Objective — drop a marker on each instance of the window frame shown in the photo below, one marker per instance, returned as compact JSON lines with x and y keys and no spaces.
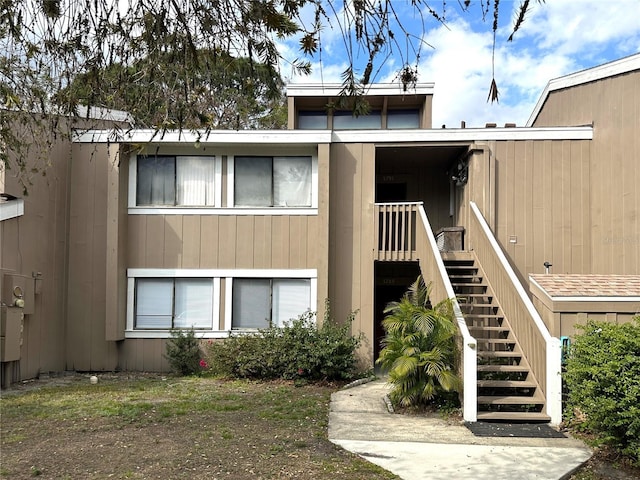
{"x":221,"y":278}
{"x":134,"y":208}
{"x":230,"y":184}
{"x":224,"y":202}
{"x":271,"y":295}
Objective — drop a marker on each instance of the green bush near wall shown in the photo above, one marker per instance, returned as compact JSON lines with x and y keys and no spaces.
{"x":183,"y":352}
{"x":301,"y":350}
{"x":603,"y":380}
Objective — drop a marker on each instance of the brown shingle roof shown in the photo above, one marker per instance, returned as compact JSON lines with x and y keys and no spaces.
{"x":579,"y":285}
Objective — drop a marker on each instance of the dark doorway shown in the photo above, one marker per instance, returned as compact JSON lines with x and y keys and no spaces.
{"x":391,"y":192}
{"x":392,"y":281}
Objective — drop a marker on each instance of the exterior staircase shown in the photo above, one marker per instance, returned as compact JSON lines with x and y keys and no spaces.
{"x":507,"y":389}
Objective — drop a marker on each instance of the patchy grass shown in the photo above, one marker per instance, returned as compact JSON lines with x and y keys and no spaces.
{"x":158,"y":427}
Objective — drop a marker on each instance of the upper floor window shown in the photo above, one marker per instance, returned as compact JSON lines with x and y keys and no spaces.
{"x":312,"y":120}
{"x":345,"y":120}
{"x":407,"y":118}
{"x":163,"y":180}
{"x":272,"y":181}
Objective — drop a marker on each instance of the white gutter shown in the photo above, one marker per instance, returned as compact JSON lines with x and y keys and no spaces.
{"x":554,"y":362}
{"x":469,"y":344}
{"x":218,"y":137}
{"x":461,"y":134}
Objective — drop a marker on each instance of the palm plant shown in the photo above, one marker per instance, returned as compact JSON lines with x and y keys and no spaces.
{"x":419,"y":347}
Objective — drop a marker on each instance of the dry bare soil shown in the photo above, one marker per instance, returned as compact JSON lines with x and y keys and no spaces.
{"x":154,"y":427}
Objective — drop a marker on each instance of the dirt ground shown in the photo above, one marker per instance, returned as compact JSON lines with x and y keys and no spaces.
{"x":197,"y":444}
{"x":227,"y":441}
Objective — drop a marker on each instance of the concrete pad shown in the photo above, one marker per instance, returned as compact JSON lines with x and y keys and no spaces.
{"x":421,"y":447}
{"x":438,"y":461}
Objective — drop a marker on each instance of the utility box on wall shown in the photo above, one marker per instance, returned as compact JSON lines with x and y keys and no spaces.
{"x":21,"y":289}
{"x":11,"y":325}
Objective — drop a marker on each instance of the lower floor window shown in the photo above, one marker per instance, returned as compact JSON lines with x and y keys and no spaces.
{"x":165,"y":303}
{"x":264,"y":302}
{"x":215,"y":301}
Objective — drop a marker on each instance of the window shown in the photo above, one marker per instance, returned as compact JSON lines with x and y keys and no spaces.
{"x":408,"y":118}
{"x":312,"y":120}
{"x":347,"y":121}
{"x":272,"y":181}
{"x":264,"y":302}
{"x":165,"y":303}
{"x":175,"y":181}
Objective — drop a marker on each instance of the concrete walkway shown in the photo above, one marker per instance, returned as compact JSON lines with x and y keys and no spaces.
{"x":416,"y":448}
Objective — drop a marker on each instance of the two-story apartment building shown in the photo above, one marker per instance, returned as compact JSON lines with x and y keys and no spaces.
{"x":235,"y":230}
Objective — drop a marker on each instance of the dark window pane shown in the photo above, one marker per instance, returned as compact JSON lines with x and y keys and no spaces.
{"x":156,"y":179}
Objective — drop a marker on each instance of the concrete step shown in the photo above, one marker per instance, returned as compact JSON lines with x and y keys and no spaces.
{"x":514,"y":416}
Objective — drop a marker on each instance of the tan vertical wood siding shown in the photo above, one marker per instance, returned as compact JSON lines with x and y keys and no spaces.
{"x":613,"y":106}
{"x":351,"y":236}
{"x":37,"y":242}
{"x":543,"y":204}
{"x":86,"y":344}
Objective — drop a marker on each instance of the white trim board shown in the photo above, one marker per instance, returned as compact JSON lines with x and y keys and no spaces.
{"x":334,"y":89}
{"x":618,"y":67}
{"x":200,"y":137}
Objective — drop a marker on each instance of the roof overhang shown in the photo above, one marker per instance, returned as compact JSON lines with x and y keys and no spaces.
{"x":11,"y":208}
{"x":315,"y":137}
{"x":618,"y":67}
{"x":213,"y":137}
{"x":334,"y":89}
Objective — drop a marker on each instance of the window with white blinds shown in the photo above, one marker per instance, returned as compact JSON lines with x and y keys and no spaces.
{"x":176,"y":181}
{"x":284,"y":181}
{"x":165,"y":303}
{"x":262,"y":303}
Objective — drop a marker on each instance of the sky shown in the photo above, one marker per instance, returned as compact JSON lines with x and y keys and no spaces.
{"x":557,"y":38}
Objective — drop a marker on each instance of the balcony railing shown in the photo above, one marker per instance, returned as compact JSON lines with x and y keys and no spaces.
{"x":396,"y":227}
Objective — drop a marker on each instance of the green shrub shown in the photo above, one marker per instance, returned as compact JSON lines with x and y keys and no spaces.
{"x":299,"y":350}
{"x":183,"y":352}
{"x":603,"y":380}
{"x":419,"y":348}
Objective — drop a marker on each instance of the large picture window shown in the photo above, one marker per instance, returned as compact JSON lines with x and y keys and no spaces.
{"x":272,"y":181}
{"x":165,"y":303}
{"x":264,"y":302}
{"x":175,"y":181}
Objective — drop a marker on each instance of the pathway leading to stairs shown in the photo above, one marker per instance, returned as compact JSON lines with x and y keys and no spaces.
{"x":417,"y":448}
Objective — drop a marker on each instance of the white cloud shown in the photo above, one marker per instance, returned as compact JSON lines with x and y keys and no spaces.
{"x":557,"y":38}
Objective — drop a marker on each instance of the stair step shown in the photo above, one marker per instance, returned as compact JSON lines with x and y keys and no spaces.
{"x":483,"y":315}
{"x":494,"y":353}
{"x":514,"y":416}
{"x":469,"y":284}
{"x":509,"y":400}
{"x":490,"y":329}
{"x":506,"y":384}
{"x":504,"y":341}
{"x":502,"y":368}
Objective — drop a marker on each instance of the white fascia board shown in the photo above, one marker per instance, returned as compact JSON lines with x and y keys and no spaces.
{"x":618,"y":67}
{"x":462,"y":135}
{"x":334,"y":89}
{"x":214,"y":137}
{"x":11,"y":209}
